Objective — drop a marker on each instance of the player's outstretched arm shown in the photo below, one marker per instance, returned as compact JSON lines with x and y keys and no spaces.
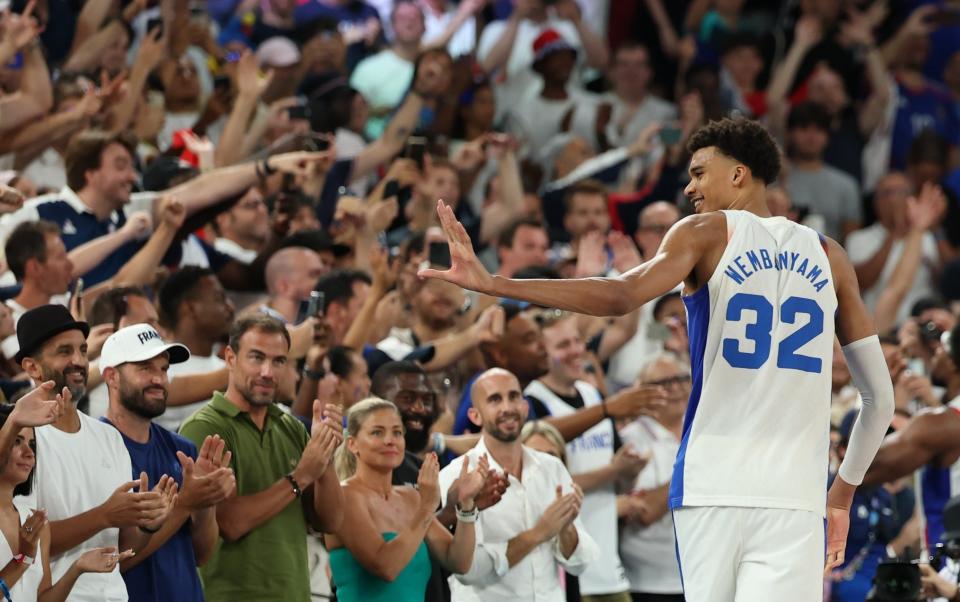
{"x":679,"y":253}
{"x":861,"y":348}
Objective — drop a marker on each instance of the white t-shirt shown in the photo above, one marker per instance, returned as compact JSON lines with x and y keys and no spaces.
{"x":863,"y":243}
{"x":383,"y":79}
{"x":519,"y":75}
{"x":462,"y":41}
{"x":535,"y":120}
{"x":77,"y":472}
{"x":627,"y":121}
{"x":229,"y":247}
{"x":197,"y":364}
{"x":648,"y":553}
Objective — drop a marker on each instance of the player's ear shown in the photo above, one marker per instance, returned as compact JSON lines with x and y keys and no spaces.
{"x":739,"y":175}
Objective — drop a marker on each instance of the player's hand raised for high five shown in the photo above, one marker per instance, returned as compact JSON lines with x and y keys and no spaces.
{"x":465,"y":268}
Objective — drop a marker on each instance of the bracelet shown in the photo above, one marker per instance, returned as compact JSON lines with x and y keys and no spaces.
{"x":267,"y":170}
{"x":22,"y":558}
{"x":467,"y":517}
{"x":314,"y":374}
{"x":439,"y":443}
{"x":147,"y":529}
{"x":296,"y":488}
{"x":6,"y":590}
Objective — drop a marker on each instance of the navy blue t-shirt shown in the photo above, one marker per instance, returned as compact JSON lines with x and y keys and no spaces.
{"x":170,"y":573}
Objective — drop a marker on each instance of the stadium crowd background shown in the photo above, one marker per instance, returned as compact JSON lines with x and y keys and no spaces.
{"x":202,"y":167}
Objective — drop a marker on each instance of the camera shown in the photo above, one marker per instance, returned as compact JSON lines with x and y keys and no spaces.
{"x":895,"y":582}
{"x":930,"y":332}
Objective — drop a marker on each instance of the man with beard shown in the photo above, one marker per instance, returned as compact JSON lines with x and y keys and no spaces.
{"x":284,"y":480}
{"x":521,"y":351}
{"x":84,"y":481}
{"x":134,"y":366}
{"x":534,"y":530}
{"x":930,"y":443}
{"x":195,"y":310}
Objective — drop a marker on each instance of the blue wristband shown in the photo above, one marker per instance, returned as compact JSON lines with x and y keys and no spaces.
{"x":6,"y":590}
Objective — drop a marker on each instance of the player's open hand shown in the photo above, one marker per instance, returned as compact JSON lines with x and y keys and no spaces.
{"x":838,"y":523}
{"x":465,"y":268}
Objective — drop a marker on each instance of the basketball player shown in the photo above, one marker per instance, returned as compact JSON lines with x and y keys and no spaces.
{"x":929,"y":442}
{"x":748,"y":491}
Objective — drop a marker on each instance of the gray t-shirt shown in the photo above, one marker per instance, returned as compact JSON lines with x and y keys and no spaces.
{"x":828,"y":192}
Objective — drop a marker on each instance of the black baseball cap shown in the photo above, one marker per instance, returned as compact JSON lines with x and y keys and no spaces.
{"x":41,"y":324}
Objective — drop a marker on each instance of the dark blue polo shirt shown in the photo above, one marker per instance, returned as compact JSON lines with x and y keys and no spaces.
{"x":170,"y":573}
{"x":79,"y":225}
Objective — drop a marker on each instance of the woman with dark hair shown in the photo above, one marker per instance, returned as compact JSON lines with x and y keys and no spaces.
{"x":25,"y":545}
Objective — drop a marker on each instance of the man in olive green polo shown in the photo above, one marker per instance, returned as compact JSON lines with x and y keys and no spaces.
{"x":284,"y":474}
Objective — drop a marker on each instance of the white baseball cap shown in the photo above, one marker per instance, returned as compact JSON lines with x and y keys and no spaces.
{"x":138,"y":343}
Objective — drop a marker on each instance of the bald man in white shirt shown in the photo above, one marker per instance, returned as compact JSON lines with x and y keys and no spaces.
{"x":535,"y":528}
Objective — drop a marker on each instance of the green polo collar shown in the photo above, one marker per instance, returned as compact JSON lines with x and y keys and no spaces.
{"x":224,"y":406}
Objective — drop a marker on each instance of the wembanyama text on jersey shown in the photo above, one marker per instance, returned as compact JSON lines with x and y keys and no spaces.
{"x":756,"y":431}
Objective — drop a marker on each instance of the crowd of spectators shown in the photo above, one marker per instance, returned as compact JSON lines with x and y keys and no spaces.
{"x":228,"y":382}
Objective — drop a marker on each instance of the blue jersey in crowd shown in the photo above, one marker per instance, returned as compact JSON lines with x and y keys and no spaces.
{"x":170,"y":573}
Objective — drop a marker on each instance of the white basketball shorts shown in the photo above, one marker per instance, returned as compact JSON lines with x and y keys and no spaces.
{"x":730,"y":554}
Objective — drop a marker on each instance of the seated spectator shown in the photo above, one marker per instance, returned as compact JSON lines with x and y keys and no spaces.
{"x":824,"y":190}
{"x":381,"y":551}
{"x":284,"y":481}
{"x":529,"y":513}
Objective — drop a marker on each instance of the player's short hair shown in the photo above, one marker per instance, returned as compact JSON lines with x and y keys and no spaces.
{"x":743,"y":140}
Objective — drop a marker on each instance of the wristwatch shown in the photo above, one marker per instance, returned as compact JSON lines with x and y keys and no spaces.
{"x":22,"y":558}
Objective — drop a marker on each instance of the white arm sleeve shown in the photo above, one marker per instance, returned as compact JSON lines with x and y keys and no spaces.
{"x":870,"y":375}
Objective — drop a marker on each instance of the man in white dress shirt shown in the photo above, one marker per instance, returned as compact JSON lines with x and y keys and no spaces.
{"x":534,"y":530}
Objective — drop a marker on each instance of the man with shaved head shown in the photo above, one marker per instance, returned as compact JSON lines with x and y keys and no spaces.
{"x":535,"y":527}
{"x":290,"y":275}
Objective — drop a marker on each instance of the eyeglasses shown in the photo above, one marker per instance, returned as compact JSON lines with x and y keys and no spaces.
{"x":673,"y":381}
{"x":656,"y":228}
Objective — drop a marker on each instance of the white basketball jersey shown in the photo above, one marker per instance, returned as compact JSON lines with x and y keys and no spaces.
{"x":756,"y":431}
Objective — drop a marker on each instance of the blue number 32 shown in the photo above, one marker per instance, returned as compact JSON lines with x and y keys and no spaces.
{"x":759,"y":333}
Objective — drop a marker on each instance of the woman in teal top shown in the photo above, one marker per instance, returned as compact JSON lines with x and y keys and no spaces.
{"x":381,"y":551}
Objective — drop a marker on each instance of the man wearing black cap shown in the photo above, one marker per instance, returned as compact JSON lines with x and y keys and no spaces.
{"x":134,"y":364}
{"x":84,"y":478}
{"x":930,"y":442}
